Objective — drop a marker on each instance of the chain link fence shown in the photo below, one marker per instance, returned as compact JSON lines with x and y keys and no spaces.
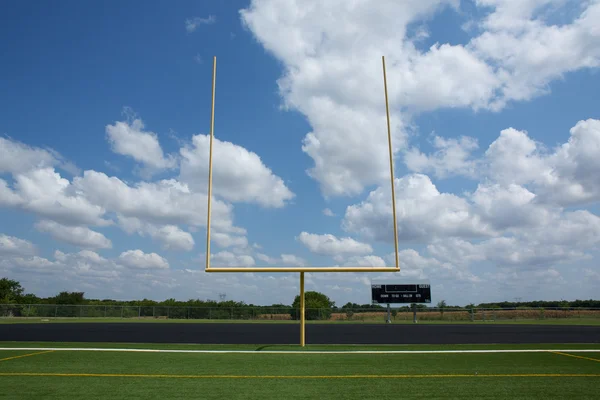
{"x":281,"y":314}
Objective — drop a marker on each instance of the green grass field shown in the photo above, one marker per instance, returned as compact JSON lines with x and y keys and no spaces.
{"x":549,"y":321}
{"x":35,"y":373}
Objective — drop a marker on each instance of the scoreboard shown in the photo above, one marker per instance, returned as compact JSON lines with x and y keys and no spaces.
{"x":401,"y":293}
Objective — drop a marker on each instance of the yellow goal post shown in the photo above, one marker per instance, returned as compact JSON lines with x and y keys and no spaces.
{"x":301,"y":270}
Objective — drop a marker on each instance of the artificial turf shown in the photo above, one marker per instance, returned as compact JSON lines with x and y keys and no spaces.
{"x":103,"y":375}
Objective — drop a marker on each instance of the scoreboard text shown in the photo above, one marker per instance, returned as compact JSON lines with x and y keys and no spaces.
{"x":401,"y":293}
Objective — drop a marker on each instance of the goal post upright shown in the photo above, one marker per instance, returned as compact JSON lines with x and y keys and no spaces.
{"x":300,"y":270}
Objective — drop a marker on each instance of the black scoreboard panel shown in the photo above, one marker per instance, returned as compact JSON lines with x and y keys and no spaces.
{"x":401,"y":293}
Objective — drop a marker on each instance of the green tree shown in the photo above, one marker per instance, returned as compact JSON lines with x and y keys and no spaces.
{"x":69,"y":298}
{"x":441,"y":305}
{"x":317,"y":305}
{"x":10,"y":291}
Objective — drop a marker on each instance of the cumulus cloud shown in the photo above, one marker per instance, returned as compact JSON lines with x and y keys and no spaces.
{"x":8,"y":198}
{"x":422,"y":213}
{"x":44,"y":192}
{"x":140,"y":260}
{"x":365,"y":261}
{"x":563,"y":176}
{"x":327,"y":212}
{"x":515,"y":158}
{"x":33,"y":264}
{"x":166,"y":201}
{"x":330,"y":245}
{"x":17,"y":157}
{"x":560,"y":238}
{"x":287,"y":260}
{"x":229,"y":259}
{"x":508,"y":207}
{"x":453,"y":157}
{"x":227,"y":240}
{"x":331,"y":55}
{"x":566,"y":176}
{"x":171,"y":237}
{"x":68,"y":270}
{"x":130,"y":139}
{"x":75,"y":235}
{"x":239,"y":175}
{"x":414,"y":265}
{"x":528,"y":53}
{"x":11,"y":246}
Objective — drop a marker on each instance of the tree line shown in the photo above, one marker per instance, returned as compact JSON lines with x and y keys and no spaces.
{"x":319,"y":304}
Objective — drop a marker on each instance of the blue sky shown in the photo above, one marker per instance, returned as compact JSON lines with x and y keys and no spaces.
{"x":114,"y":98}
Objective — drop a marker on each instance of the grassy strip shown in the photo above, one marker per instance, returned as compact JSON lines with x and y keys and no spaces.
{"x":548,"y":388}
{"x":308,"y":347}
{"x":276,"y":376}
{"x":550,"y":321}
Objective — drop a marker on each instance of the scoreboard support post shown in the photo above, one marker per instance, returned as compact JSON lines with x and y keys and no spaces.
{"x":389,"y":318}
{"x":302,"y":318}
{"x":414,"y":306}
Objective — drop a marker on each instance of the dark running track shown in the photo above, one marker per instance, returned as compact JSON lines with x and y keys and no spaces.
{"x":239,"y":333}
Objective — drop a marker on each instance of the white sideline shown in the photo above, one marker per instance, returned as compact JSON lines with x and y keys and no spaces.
{"x":300,"y":351}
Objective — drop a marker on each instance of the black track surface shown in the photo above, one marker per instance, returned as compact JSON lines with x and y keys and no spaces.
{"x":239,"y":333}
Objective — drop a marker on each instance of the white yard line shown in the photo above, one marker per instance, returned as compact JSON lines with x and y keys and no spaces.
{"x":299,"y":351}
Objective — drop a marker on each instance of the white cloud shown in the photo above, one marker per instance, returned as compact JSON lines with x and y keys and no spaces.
{"x":287,"y":260}
{"x":529,"y":53}
{"x":510,"y":206}
{"x":13,"y":246}
{"x":341,"y":95}
{"x":171,"y":237}
{"x":8,"y":198}
{"x":345,"y":159}
{"x":559,"y":238}
{"x":331,"y":54}
{"x":226,"y":240}
{"x":515,"y":158}
{"x":422,"y":213}
{"x":417,"y":266}
{"x":591,"y":275}
{"x":564,"y":177}
{"x":139,"y":260}
{"x":191,"y":24}
{"x":329,"y":245}
{"x":88,"y":267}
{"x":577,"y":167}
{"x":17,"y":157}
{"x":327,"y":212}
{"x":452,"y":157}
{"x":365,"y":261}
{"x":290,"y":259}
{"x":46,"y":193}
{"x":33,"y":264}
{"x":228,"y":259}
{"x":165,"y":202}
{"x":130,"y":139}
{"x":239,"y":175}
{"x":76,"y":235}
